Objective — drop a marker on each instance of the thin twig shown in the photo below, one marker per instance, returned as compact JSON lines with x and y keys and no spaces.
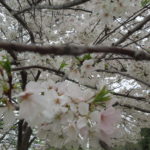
{"x":138,"y":98}
{"x":38,"y":67}
{"x":136,"y":28}
{"x":132,"y":107}
{"x":125,"y":75}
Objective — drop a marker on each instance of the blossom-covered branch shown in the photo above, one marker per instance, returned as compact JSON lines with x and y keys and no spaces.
{"x":136,"y":28}
{"x":125,"y":75}
{"x":100,"y":39}
{"x":73,"y":50}
{"x":19,"y":19}
{"x":61,"y":74}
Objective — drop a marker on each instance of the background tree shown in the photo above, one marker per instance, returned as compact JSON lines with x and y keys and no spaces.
{"x":97,"y":50}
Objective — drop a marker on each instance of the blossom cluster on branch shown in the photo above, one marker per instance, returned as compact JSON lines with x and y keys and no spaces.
{"x":68,"y":116}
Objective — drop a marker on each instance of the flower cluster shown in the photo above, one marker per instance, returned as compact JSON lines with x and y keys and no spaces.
{"x":110,"y":9}
{"x":65,"y":115}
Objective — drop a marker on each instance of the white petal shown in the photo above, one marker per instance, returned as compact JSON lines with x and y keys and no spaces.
{"x":95,"y":116}
{"x":83,"y":108}
{"x":82,"y":122}
{"x":73,"y":107}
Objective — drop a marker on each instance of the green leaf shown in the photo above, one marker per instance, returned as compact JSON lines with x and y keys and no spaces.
{"x":5,"y":87}
{"x":63,"y":64}
{"x":145,"y":141}
{"x":85,"y":57}
{"x":5,"y":63}
{"x":106,"y":66}
{"x":145,"y":2}
{"x":145,"y":132}
{"x":1,"y":123}
{"x":17,"y":85}
{"x":102,"y":96}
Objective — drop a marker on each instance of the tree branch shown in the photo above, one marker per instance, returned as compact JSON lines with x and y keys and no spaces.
{"x":38,"y":67}
{"x":136,"y":28}
{"x":138,"y":98}
{"x":61,"y":74}
{"x":73,"y":50}
{"x":57,"y":72}
{"x":104,"y":145}
{"x":131,"y":107}
{"x":55,"y":7}
{"x":19,"y":141}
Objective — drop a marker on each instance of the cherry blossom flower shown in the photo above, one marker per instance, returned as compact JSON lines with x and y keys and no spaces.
{"x":32,"y":108}
{"x":87,"y":67}
{"x":108,"y":120}
{"x":74,"y":91}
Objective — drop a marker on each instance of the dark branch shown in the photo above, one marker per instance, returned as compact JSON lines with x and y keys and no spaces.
{"x":80,"y":9}
{"x":73,"y":50}
{"x":67,"y":5}
{"x":131,"y":107}
{"x":104,"y":145}
{"x":20,"y":123}
{"x":138,"y":98}
{"x":39,"y":67}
